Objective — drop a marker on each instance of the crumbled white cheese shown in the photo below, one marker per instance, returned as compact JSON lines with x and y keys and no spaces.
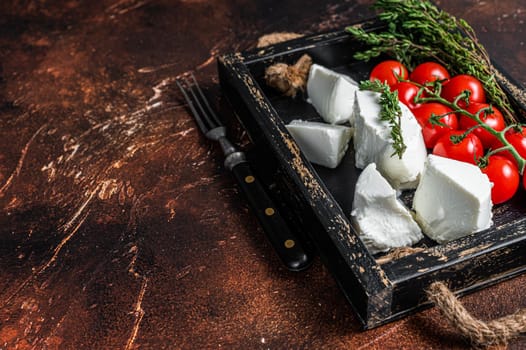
{"x":322,"y":144}
{"x":373,"y":142}
{"x":452,"y":200}
{"x":383,"y":221}
{"x":331,"y":94}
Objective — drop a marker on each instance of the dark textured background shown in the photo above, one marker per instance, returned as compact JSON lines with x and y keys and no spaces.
{"x":119,"y":229}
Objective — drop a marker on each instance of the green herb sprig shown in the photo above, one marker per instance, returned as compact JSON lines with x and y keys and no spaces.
{"x":390,"y":112}
{"x":418,"y":31}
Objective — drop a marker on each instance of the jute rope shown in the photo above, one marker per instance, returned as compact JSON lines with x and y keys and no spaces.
{"x":480,"y":333}
{"x":288,"y":79}
{"x":276,"y":37}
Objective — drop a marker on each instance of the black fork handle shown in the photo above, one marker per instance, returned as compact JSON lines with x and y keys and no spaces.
{"x":286,"y":244}
{"x":288,"y":247}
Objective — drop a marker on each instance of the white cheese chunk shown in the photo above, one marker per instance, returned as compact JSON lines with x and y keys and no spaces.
{"x":322,"y":144}
{"x":331,"y":94}
{"x":373,"y":142}
{"x":452,"y":200}
{"x":383,"y":221}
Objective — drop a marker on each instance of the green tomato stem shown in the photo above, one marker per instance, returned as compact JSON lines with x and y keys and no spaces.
{"x":500,"y":135}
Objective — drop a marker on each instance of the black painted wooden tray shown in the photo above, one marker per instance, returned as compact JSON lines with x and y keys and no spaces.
{"x":317,"y":201}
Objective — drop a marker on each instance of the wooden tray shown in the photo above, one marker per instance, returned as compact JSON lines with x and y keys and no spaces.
{"x":317,"y":201}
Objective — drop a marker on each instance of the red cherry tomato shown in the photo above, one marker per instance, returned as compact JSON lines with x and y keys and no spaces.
{"x":428,"y":72}
{"x":459,"y":83}
{"x":495,"y":120}
{"x":517,"y":138}
{"x":505,"y":177}
{"x":406,"y":93}
{"x":432,"y":132}
{"x":468,"y":150}
{"x":387,"y":71}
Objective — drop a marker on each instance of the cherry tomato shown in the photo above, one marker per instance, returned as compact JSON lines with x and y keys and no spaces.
{"x":428,"y":72}
{"x":468,"y":150}
{"x":406,"y":93}
{"x":505,"y":177}
{"x":432,"y":132}
{"x":387,"y":71}
{"x":517,"y":138}
{"x":459,"y":83}
{"x":495,"y":120}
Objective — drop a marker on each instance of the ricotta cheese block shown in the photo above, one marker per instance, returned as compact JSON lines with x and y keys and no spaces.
{"x":323,"y":144}
{"x":452,"y":200}
{"x":331,"y":94}
{"x":373,"y":142}
{"x":383,"y":221}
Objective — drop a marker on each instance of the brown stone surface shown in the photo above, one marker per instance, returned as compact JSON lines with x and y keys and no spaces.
{"x":119,"y":228}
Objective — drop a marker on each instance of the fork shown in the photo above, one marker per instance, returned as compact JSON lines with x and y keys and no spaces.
{"x":286,"y":244}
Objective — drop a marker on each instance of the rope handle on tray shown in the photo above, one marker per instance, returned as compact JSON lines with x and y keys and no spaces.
{"x":480,"y":333}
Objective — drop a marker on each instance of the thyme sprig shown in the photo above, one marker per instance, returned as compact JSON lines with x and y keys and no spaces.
{"x":390,"y":112}
{"x":418,"y":31}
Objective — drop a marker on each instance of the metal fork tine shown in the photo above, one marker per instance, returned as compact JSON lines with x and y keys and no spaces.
{"x":274,"y":225}
{"x":211,"y":115}
{"x":204,"y":113}
{"x":190,"y":102}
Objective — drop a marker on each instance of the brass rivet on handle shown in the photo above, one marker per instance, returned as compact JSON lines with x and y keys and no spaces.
{"x":269,"y":211}
{"x":249,"y":179}
{"x":289,"y":243}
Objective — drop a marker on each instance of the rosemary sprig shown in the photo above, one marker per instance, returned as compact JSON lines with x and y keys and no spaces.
{"x":418,"y":31}
{"x":390,"y":112}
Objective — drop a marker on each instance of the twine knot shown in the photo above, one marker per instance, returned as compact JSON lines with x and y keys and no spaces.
{"x":288,"y":79}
